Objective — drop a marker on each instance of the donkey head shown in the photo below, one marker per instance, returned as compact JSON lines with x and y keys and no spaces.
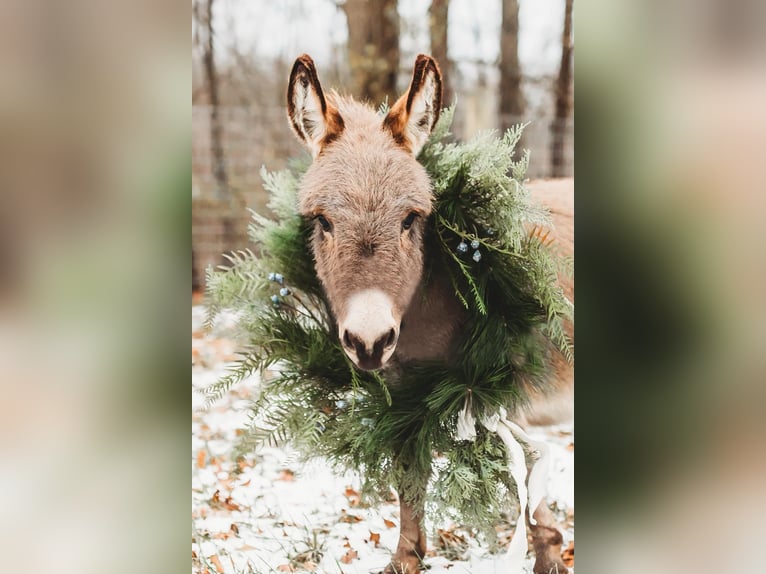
{"x":368,"y":198}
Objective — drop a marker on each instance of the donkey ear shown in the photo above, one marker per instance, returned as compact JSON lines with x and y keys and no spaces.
{"x":313,"y":119}
{"x":415,"y":114}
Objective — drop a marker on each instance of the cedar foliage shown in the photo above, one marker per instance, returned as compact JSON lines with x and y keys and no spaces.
{"x":387,"y":425}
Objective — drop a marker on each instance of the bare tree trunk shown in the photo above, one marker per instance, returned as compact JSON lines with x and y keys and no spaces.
{"x":511,"y":96}
{"x":373,"y":48}
{"x":563,"y":97}
{"x":216,"y":130}
{"x":438,"y":21}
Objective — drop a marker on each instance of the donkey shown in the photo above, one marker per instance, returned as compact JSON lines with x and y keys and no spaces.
{"x":369,"y":200}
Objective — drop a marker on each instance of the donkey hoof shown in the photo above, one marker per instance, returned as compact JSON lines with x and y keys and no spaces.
{"x":548,"y":565}
{"x":404,"y":565}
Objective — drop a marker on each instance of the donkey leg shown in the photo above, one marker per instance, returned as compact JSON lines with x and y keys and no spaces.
{"x":412,"y":540}
{"x":547,"y":541}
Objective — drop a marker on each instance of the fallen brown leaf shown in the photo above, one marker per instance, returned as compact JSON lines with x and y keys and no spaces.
{"x":450,"y":544}
{"x":350,"y":518}
{"x":227,"y":504}
{"x":286,"y":474}
{"x":448,"y":537}
{"x":349,"y":556}
{"x":201,"y":456}
{"x":568,"y":555}
{"x":220,"y":536}
{"x":389,"y":523}
{"x":234,"y":528}
{"x":217,"y":563}
{"x":285,"y":568}
{"x":375,"y":538}
{"x":353,"y":496}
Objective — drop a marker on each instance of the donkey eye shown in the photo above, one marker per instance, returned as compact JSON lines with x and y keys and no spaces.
{"x":408,"y":221}
{"x":324,"y":223}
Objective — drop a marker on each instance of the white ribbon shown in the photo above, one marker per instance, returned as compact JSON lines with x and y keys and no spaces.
{"x":538,"y":475}
{"x":466,"y":423}
{"x":513,"y":436}
{"x":517,"y":466}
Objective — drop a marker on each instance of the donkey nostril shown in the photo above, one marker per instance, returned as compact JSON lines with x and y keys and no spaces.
{"x":391,"y":338}
{"x":346,"y":339}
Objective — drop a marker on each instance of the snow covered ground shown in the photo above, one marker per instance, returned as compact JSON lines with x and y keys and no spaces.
{"x":270,"y":513}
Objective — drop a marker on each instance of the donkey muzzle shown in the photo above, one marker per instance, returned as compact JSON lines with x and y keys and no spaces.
{"x":369,"y":332}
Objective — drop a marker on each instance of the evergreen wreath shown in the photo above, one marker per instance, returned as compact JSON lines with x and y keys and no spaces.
{"x":387,"y":425}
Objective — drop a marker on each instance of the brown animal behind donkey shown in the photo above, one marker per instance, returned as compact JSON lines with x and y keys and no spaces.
{"x":369,"y":200}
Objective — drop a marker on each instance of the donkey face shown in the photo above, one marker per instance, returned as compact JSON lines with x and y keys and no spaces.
{"x":368,"y":198}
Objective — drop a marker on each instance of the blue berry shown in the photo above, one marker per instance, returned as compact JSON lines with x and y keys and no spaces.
{"x":279,"y":279}
{"x":475,"y":244}
{"x":272,"y":276}
{"x":284,"y":291}
{"x":477,"y":256}
{"x":462,"y":247}
{"x":275,"y":299}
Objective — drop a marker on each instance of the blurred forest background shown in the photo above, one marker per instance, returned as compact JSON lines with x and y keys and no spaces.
{"x":504,"y":61}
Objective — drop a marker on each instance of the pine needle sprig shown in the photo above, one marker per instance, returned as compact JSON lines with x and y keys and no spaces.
{"x":250,"y":363}
{"x":465,"y":272}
